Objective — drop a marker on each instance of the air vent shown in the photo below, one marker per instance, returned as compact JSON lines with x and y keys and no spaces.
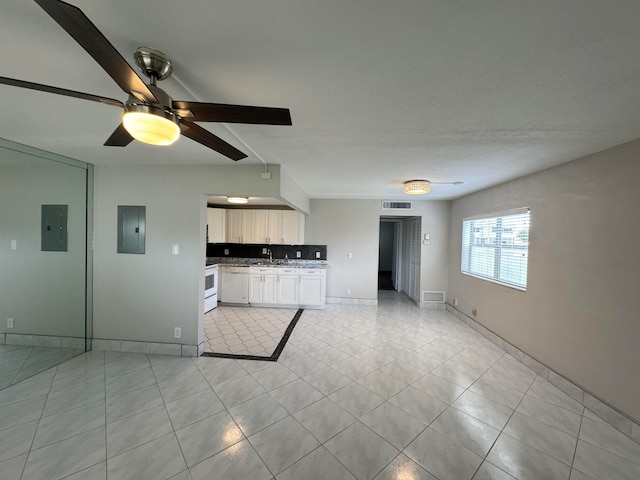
{"x":391,"y":205}
{"x":434,"y":297}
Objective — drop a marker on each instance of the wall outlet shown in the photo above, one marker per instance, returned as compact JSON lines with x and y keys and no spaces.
{"x":474,"y":311}
{"x":175,"y":249}
{"x":317,"y":254}
{"x":455,"y":302}
{"x":348,"y":291}
{"x":177,"y":332}
{"x":226,"y":251}
{"x":264,"y":251}
{"x":9,"y":322}
{"x":298,"y":254}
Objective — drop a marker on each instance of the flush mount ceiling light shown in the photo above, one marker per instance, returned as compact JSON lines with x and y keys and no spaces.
{"x":238,"y":199}
{"x":151,"y":125}
{"x":417,"y":187}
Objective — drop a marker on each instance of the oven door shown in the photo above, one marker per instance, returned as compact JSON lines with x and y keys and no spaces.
{"x":211,"y":287}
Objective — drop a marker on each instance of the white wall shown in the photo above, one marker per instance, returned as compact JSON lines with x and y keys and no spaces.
{"x":143,"y":297}
{"x":42,"y":291}
{"x":577,"y":315}
{"x":353,"y":226}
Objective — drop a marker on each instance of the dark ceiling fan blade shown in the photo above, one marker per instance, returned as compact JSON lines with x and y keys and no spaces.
{"x":208,"y":139}
{"x":119,"y":138}
{"x":219,"y":112}
{"x":60,"y":91}
{"x":96,"y":44}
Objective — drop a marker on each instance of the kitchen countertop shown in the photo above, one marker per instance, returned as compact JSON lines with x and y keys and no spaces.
{"x":236,"y":262}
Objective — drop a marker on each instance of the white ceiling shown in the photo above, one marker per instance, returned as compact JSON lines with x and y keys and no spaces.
{"x":379,"y":92}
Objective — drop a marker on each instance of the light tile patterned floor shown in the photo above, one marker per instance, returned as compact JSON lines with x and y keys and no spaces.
{"x":19,"y":362}
{"x":245,"y":330}
{"x":386,"y":392}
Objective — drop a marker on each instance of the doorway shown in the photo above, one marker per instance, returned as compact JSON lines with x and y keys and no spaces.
{"x":388,"y":255}
{"x":399,"y":255}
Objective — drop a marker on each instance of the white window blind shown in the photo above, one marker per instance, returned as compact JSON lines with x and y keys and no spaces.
{"x":495,"y":248}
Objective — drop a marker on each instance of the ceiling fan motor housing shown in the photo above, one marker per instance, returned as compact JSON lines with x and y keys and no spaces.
{"x":153,"y":63}
{"x":162,"y":108}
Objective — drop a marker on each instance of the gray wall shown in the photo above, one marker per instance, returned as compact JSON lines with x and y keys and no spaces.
{"x":44,"y":292}
{"x":353,"y":226}
{"x":576,"y":316}
{"x":143,"y":297}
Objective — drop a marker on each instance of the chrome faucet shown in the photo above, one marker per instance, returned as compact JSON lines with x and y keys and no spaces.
{"x":286,"y":258}
{"x":270,"y":255}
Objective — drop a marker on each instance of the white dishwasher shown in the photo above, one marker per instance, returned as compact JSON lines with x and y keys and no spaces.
{"x":234,"y":285}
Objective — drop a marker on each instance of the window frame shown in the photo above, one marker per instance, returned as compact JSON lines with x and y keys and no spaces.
{"x":498,"y":246}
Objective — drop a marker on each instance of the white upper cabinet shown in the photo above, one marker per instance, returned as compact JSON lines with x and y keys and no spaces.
{"x":265,"y":226}
{"x":216,"y":225}
{"x":292,"y":228}
{"x":249,"y":234}
{"x":234,"y":226}
{"x":261,"y":226}
{"x":274,"y":226}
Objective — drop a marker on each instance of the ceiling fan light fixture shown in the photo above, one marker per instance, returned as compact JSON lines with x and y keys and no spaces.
{"x":238,"y":199}
{"x":417,"y":187}
{"x":151,"y":125}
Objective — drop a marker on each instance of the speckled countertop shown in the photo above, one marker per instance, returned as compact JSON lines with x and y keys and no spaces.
{"x":259,"y":262}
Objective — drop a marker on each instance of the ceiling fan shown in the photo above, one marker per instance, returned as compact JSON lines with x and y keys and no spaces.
{"x":150,"y":114}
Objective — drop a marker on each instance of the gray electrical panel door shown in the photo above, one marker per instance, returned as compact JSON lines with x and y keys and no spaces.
{"x":131,"y":229}
{"x":54,"y":228}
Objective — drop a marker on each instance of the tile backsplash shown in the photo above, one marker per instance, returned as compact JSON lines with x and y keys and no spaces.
{"x":255,"y":250}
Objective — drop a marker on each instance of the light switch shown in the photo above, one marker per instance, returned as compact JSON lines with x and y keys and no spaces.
{"x":349,"y":255}
{"x":175,"y":249}
{"x":14,"y":244}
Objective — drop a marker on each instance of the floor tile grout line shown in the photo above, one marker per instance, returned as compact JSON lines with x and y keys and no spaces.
{"x":106,"y":438}
{"x":13,"y":380}
{"x":575,"y":449}
{"x":61,"y":440}
{"x":44,"y":405}
{"x":164,"y":404}
{"x":502,"y":429}
{"x":608,"y":451}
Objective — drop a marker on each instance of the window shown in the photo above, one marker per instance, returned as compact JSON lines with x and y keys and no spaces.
{"x":495,"y":248}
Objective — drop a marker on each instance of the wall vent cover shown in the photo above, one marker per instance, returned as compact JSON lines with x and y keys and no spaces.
{"x":394,"y":205}
{"x":434,"y":297}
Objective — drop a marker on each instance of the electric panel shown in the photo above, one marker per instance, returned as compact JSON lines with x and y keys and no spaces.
{"x":54,"y":228}
{"x":131,"y":229}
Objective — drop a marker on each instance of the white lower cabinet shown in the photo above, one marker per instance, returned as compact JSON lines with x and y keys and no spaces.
{"x":312,"y":287}
{"x":288,"y":286}
{"x":263,"y":285}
